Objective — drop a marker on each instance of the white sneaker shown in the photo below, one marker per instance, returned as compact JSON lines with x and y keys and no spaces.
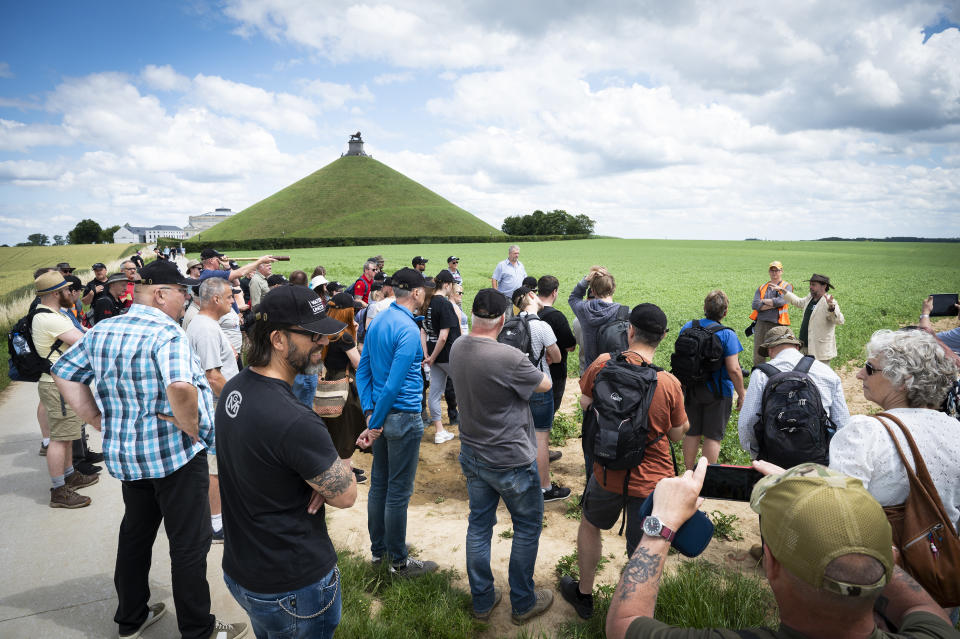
{"x":442,"y":436}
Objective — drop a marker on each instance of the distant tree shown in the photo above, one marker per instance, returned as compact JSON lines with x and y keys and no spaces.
{"x":556,"y":222}
{"x":85,"y":232}
{"x":37,"y":239}
{"x":59,"y":240}
{"x":106,"y":235}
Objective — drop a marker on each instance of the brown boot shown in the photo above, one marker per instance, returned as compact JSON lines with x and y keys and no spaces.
{"x":64,"y":497}
{"x":79,"y":480}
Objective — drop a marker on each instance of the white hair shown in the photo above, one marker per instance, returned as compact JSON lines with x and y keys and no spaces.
{"x":913,"y":359}
{"x":211,"y":287}
{"x":513,"y":247}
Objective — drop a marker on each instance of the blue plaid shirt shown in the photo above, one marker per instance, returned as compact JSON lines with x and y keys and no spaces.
{"x":131,"y":359}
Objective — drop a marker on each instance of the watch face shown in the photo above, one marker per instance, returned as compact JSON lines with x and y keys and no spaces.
{"x":652,"y":526}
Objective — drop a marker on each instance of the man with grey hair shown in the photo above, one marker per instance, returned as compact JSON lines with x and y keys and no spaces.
{"x":509,"y":275}
{"x":219,"y":363}
{"x":258,"y":282}
{"x":362,"y":287}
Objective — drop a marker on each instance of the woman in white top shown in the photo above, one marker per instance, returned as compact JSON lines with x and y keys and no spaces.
{"x":908,"y":375}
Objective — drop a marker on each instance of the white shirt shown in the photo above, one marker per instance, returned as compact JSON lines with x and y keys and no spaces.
{"x":864,"y":450}
{"x":826,"y":381}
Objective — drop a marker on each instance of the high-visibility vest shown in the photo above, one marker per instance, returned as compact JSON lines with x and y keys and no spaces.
{"x":784,"y":317}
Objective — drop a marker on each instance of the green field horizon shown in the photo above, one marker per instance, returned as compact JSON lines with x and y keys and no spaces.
{"x":17,"y":263}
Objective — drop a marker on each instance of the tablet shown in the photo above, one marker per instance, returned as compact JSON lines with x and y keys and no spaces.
{"x":944,"y":304}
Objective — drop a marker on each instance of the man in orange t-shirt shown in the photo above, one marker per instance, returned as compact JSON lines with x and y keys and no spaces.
{"x":603,"y":499}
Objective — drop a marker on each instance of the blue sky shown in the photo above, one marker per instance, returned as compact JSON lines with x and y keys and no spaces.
{"x":693,"y":120}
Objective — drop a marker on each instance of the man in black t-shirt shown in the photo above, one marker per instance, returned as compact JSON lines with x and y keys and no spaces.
{"x":278,"y":467}
{"x":95,"y":287}
{"x":441,"y":327}
{"x":108,"y":304}
{"x":547,"y":289}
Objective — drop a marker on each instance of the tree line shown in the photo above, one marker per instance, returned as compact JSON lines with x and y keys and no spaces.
{"x":556,"y":222}
{"x":85,"y":232}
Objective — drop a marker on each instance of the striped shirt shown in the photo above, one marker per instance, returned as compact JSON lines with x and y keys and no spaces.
{"x":130,"y":360}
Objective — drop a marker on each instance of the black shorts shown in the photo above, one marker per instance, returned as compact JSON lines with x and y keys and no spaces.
{"x":708,"y":415}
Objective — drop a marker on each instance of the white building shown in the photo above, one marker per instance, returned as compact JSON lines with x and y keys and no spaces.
{"x":198,"y":223}
{"x":147,"y":235}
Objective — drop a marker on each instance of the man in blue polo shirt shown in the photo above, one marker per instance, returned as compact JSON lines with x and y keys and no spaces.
{"x":391,"y":390}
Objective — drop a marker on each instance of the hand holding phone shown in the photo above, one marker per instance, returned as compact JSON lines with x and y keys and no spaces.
{"x":733,"y":483}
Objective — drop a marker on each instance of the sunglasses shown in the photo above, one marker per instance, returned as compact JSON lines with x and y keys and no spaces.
{"x":871,"y":369}
{"x":314,"y":337}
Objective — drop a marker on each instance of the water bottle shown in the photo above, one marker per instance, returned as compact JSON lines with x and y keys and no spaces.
{"x":20,"y":344}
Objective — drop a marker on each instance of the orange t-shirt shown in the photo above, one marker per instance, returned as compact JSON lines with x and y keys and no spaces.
{"x":666,"y":412}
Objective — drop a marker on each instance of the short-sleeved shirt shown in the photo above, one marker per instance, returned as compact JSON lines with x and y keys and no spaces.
{"x":91,"y":288}
{"x":541,"y":338}
{"x":456,"y":276}
{"x":918,"y":625}
{"x":133,"y":358}
{"x":494,"y":383}
{"x":258,"y":287}
{"x":509,"y":277}
{"x":666,"y":412}
{"x":268,"y":445}
{"x":45,"y":328}
{"x":230,"y":325}
{"x":337,"y":358}
{"x":375,"y":307}
{"x":565,"y":338}
{"x":731,"y":346}
{"x":441,"y":315}
{"x":951,"y":338}
{"x":212,"y":347}
{"x":361,"y":288}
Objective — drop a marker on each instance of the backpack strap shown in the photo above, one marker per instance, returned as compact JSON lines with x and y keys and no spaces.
{"x":57,"y":343}
{"x":768,"y":369}
{"x":695,"y":324}
{"x":623,"y":313}
{"x":803,"y":366}
{"x":543,"y":351}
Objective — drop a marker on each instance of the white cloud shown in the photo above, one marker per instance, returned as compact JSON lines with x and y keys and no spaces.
{"x":5,"y":71}
{"x":393,"y":78}
{"x":335,"y":96}
{"x":276,"y":111}
{"x":164,"y":78}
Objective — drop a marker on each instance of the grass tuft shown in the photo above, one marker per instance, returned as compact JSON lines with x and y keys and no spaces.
{"x":564,"y":427}
{"x":724,"y":526}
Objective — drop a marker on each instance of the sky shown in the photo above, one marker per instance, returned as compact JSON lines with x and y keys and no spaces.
{"x":685,"y":120}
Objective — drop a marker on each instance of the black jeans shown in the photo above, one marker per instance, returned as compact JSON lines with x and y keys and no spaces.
{"x":180,"y":500}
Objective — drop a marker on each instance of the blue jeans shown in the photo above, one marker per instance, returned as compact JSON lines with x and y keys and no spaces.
{"x":304,"y":387}
{"x":290,"y":615}
{"x":520,"y":489}
{"x":395,"y":456}
{"x":541,"y":406}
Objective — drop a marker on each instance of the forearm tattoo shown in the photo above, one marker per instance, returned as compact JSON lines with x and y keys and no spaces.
{"x":334,"y":481}
{"x":642,"y":567}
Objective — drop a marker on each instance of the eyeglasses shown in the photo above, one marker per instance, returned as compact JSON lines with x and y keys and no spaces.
{"x":314,"y":337}
{"x":460,"y":292}
{"x":871,"y":369}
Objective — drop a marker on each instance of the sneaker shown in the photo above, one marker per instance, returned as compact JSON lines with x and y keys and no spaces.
{"x":64,"y":497}
{"x":414,"y":568}
{"x":79,"y":480}
{"x":442,"y":436}
{"x":93,"y":458}
{"x":554,"y":455}
{"x":555,"y":493}
{"x":228,"y":630}
{"x":485,"y":616}
{"x":155,"y":612}
{"x":376,"y":559}
{"x":544,"y":601}
{"x":570,"y":589}
{"x":361,"y":478}
{"x":218,"y":536}
{"x":87,"y":468}
{"x":43,"y":449}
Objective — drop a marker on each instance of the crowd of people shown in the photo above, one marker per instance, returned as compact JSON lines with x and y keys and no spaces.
{"x":231,"y":400}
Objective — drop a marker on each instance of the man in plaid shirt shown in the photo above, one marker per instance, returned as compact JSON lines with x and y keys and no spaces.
{"x":157,"y":425}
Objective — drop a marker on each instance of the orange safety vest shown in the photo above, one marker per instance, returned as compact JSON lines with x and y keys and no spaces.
{"x":784,"y":317}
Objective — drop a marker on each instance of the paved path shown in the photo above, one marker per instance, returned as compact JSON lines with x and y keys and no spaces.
{"x":57,"y":563}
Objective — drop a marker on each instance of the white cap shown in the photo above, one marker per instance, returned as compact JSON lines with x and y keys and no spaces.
{"x":317,"y":281}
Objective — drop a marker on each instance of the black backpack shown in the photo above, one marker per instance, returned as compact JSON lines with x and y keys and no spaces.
{"x":612,"y":336}
{"x":26,"y":365}
{"x":516,"y":333}
{"x":698,"y":353}
{"x":793,"y":428}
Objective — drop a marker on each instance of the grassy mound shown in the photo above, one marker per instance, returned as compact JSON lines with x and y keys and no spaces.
{"x":353,"y":196}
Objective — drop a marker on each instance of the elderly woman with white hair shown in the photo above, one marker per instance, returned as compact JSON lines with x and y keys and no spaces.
{"x":908,"y":375}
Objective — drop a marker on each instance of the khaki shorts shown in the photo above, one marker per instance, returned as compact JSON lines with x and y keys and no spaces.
{"x":212,"y":463}
{"x":65,"y":426}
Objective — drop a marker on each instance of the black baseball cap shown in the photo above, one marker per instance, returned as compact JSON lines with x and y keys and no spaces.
{"x":444,"y":277}
{"x":649,"y":317}
{"x":276,"y":279}
{"x":207,"y":253}
{"x":98,"y":265}
{"x":341,"y":300}
{"x":419,"y":260}
{"x":519,"y":293}
{"x":164,"y":272}
{"x":297,"y":306}
{"x":453,"y":258}
{"x":388,"y":281}
{"x":334,"y":286}
{"x":489,"y":303}
{"x":408,"y":279}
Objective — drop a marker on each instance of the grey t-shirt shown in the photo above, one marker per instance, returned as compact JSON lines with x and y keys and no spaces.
{"x":494,"y":383}
{"x":211,"y":346}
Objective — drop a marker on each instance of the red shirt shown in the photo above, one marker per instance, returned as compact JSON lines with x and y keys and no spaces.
{"x":362,"y":287}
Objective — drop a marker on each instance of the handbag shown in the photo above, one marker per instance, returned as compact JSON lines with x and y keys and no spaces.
{"x":928,"y":544}
{"x":331,"y":396}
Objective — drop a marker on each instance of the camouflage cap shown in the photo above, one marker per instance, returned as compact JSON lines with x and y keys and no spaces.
{"x":811,"y":515}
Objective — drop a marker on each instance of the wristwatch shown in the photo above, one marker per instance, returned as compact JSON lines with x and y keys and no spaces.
{"x":654,"y":527}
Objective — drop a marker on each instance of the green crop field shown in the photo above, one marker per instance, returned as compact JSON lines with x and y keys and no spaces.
{"x":17,"y":263}
{"x":878,"y":284}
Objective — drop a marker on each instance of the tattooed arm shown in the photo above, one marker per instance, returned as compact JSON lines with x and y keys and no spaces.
{"x":902,"y":596}
{"x":674,"y":502}
{"x":336,"y":486}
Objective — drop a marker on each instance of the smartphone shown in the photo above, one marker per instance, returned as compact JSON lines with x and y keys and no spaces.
{"x":944,"y":304}
{"x":729,"y":482}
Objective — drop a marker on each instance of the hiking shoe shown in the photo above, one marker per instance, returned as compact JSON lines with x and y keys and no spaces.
{"x":570,"y":589}
{"x":79,"y":480}
{"x":442,"y":436}
{"x":218,"y":536}
{"x":43,"y":449}
{"x":414,"y":568}
{"x":361,"y":478}
{"x":93,"y":458}
{"x":485,"y":616}
{"x":544,"y":601}
{"x":155,"y":612}
{"x":555,"y":493}
{"x":228,"y":630}
{"x":554,"y":455}
{"x":64,"y":497}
